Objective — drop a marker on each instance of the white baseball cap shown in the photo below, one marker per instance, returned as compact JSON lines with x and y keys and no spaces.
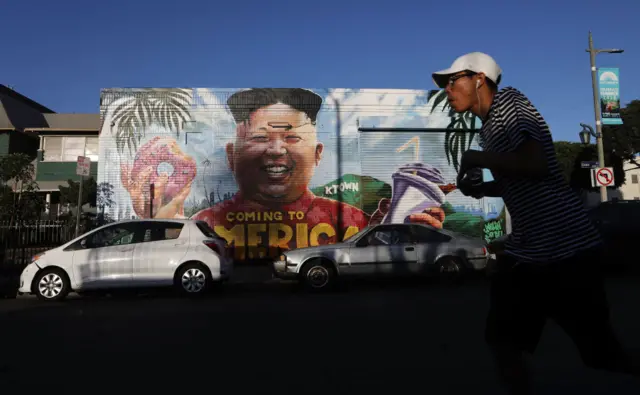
{"x":476,"y":62}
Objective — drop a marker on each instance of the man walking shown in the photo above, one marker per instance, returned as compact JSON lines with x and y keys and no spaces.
{"x":549,"y":266}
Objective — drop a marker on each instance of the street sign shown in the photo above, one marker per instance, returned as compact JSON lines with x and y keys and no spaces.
{"x":603,"y":176}
{"x":588,"y":164}
{"x":84,"y":166}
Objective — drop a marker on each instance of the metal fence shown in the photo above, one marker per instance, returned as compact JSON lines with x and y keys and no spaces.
{"x":20,"y":241}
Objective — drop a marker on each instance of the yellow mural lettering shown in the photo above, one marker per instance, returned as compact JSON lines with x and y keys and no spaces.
{"x":254,"y":216}
{"x":254,"y":240}
{"x":275,"y":240}
{"x":233,"y":236}
{"x":302,"y":235}
{"x":299,"y":215}
{"x":319,"y":229}
{"x":352,"y":230}
{"x":269,"y":239}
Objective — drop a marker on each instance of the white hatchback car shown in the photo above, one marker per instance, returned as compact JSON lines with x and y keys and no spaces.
{"x":145,"y":253}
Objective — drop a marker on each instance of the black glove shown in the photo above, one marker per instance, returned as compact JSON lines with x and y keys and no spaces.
{"x":470,"y":182}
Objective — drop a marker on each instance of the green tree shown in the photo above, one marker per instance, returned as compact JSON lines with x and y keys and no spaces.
{"x":567,"y":153}
{"x":623,"y":141}
{"x":570,"y":157}
{"x":19,"y":199}
{"x":104,"y":196}
{"x":69,"y":193}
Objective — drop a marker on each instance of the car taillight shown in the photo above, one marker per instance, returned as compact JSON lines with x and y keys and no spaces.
{"x":214,"y":246}
{"x":484,"y":250}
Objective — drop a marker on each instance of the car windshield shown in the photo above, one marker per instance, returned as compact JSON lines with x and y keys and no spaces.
{"x":356,"y":235}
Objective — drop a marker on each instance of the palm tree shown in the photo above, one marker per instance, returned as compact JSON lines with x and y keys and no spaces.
{"x":460,"y":131}
{"x":137,"y":109}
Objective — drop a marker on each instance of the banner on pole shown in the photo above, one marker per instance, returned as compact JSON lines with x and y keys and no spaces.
{"x":609,"y":87}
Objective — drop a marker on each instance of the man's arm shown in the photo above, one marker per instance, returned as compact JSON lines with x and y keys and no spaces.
{"x":490,"y":189}
{"x":528,"y":160}
{"x":522,"y":128}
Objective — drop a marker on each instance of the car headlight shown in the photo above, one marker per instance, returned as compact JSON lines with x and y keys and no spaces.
{"x":35,"y":258}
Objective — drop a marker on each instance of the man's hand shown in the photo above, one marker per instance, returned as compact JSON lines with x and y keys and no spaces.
{"x":471,"y":183}
{"x":434,"y":216}
{"x":140,"y":194}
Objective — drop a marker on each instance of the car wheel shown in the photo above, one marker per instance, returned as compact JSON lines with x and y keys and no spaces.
{"x":51,"y":285}
{"x":193,"y":279}
{"x":451,"y":270}
{"x":318,"y":275}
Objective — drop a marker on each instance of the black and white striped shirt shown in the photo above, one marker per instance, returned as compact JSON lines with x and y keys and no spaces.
{"x":549,"y":221}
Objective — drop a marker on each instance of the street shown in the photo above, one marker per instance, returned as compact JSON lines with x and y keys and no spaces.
{"x":396,"y":337}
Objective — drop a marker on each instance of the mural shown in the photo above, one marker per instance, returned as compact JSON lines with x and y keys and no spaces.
{"x":273,"y":169}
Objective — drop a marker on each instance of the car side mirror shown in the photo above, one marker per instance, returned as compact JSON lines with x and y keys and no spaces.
{"x":83,"y":243}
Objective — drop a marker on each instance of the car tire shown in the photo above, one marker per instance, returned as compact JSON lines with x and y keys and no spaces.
{"x":51,"y":285}
{"x":318,"y":275}
{"x":193,"y":279}
{"x":451,"y":270}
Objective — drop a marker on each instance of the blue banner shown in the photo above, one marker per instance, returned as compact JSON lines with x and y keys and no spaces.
{"x":609,"y":89}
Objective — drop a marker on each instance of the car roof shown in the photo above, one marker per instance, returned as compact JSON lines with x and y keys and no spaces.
{"x":446,"y":232}
{"x":133,"y":221}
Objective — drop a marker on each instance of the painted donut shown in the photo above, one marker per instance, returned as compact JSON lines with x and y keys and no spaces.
{"x":164,"y":155}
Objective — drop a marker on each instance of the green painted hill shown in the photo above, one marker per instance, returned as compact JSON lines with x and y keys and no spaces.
{"x":363,"y":192}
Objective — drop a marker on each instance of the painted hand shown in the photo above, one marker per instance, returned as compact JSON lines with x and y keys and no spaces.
{"x":139,"y":190}
{"x":433,"y":216}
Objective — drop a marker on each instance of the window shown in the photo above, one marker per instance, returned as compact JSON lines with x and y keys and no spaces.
{"x":426,"y":235}
{"x":67,"y":149}
{"x":387,"y":236}
{"x":634,"y":178}
{"x":162,"y":231}
{"x":111,"y":236}
{"x":206,"y":229}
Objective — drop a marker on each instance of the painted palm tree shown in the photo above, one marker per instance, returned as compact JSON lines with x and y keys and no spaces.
{"x":133,"y":110}
{"x":460,"y":131}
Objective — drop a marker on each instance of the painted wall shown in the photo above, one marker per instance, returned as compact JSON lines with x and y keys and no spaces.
{"x":286,"y":168}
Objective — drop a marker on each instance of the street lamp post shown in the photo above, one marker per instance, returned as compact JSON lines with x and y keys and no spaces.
{"x":596,"y":106}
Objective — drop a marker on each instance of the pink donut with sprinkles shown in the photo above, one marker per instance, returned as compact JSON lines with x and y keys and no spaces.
{"x":165,"y":156}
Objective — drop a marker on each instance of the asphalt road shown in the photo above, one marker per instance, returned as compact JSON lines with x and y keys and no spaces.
{"x":396,"y":337}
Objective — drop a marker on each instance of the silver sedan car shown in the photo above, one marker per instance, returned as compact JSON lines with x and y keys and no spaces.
{"x":393,"y":249}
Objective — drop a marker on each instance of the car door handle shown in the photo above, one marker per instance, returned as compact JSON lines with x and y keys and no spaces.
{"x":408,"y":249}
{"x":126,"y":249}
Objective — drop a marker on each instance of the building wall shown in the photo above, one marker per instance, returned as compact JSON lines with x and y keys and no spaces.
{"x":22,"y":143}
{"x":630,"y":190}
{"x":4,"y":143}
{"x":247,"y":183}
{"x":61,"y":171}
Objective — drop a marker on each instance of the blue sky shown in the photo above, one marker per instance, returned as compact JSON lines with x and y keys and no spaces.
{"x":62,"y":53}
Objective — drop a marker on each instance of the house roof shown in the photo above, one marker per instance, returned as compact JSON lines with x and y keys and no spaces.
{"x":70,"y":122}
{"x":18,"y":112}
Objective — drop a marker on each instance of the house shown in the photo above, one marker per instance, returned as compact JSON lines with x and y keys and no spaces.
{"x":631,"y":188}
{"x":54,"y":140}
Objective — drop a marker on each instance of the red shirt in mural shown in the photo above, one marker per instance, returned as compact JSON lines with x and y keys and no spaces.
{"x":254,"y":230}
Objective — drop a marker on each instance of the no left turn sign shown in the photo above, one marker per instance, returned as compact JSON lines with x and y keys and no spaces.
{"x":604,"y":176}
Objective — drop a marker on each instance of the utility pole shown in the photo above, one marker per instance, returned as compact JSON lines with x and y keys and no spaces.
{"x":596,"y":106}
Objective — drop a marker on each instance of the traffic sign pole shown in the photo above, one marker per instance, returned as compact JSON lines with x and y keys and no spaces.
{"x":79,"y":206}
{"x":83,"y":168}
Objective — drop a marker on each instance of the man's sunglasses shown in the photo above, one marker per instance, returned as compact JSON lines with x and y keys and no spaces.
{"x":452,"y":80}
